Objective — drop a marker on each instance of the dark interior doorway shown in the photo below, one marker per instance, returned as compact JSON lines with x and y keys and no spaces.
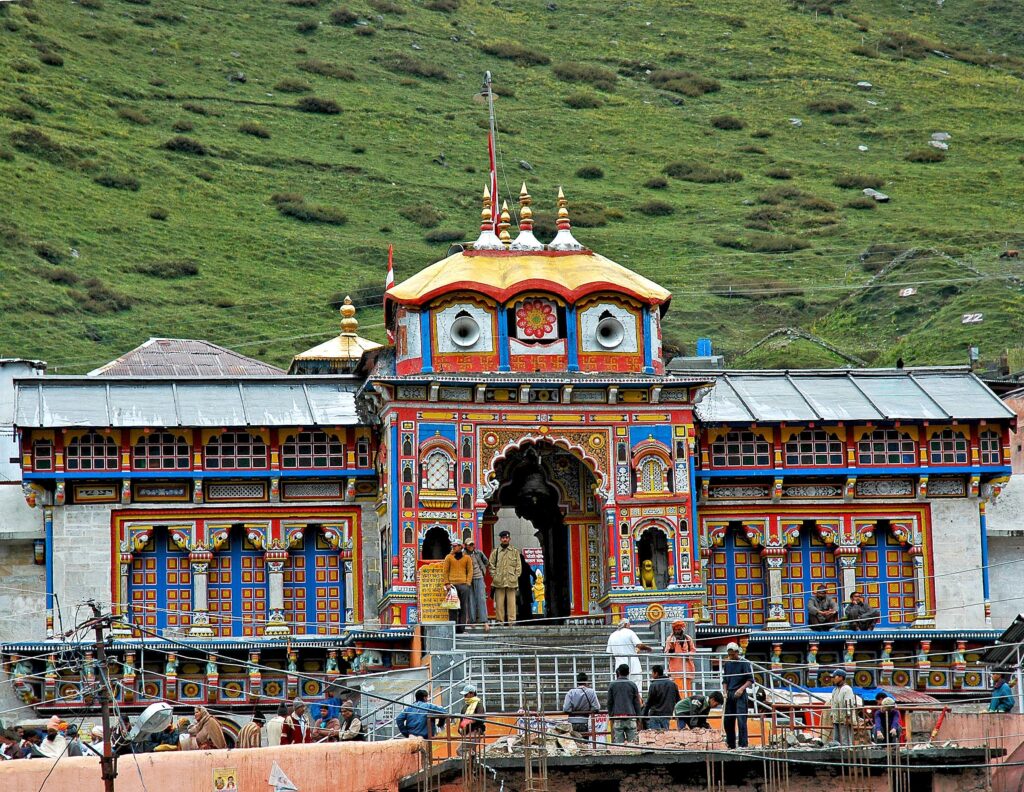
{"x":653,"y":546}
{"x":436,"y":544}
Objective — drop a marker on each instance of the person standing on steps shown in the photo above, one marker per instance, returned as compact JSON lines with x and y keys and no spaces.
{"x":680,"y":648}
{"x":623,"y":644}
{"x":737,"y":677}
{"x":478,"y":613}
{"x":457,"y":573}
{"x":506,"y":565}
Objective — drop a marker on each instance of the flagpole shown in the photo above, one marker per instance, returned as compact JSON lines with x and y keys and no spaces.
{"x":490,"y":147}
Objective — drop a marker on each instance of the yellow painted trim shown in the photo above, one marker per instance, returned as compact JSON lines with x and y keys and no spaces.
{"x":262,"y":434}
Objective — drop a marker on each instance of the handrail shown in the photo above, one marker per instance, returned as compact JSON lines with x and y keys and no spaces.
{"x":758,"y":668}
{"x":373,"y":726}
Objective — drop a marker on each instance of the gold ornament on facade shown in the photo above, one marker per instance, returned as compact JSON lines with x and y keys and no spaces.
{"x":504,"y":222}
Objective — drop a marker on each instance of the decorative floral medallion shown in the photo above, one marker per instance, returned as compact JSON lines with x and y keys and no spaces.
{"x":536,"y":319}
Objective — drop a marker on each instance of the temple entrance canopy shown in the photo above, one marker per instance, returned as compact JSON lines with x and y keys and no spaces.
{"x":551,"y":492}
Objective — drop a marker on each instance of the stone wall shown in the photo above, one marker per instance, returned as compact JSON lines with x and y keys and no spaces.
{"x":956,"y":552}
{"x":1005,"y":521}
{"x":81,"y":558}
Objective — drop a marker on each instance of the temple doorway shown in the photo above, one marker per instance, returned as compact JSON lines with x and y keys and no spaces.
{"x":545,"y":498}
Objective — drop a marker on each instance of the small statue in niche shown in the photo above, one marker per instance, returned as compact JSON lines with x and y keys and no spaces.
{"x":647,"y":574}
{"x":211,"y":667}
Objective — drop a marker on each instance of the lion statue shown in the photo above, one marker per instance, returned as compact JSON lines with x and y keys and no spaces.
{"x":647,"y":574}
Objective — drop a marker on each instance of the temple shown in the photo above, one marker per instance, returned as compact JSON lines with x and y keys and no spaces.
{"x":288,"y":519}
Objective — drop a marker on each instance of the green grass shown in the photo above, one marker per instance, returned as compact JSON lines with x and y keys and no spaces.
{"x":268,"y":274}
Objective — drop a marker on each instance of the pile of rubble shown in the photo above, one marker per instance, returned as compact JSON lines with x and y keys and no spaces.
{"x":557,"y":739}
{"x":683,"y":739}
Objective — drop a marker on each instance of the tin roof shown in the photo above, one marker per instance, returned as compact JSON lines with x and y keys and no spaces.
{"x":53,"y":402}
{"x":183,"y":357}
{"x":1007,"y":651}
{"x":926,"y":394}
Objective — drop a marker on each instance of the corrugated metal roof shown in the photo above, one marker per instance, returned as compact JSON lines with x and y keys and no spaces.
{"x":183,"y":357}
{"x":845,"y":395}
{"x":1008,"y":650}
{"x":53,"y":402}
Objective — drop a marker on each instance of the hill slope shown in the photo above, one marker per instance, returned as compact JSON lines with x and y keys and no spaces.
{"x":228,"y":171}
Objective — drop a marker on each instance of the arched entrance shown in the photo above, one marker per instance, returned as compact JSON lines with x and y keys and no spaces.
{"x":436,"y":544}
{"x":550,"y":492}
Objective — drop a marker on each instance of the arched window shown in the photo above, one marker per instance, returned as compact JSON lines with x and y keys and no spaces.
{"x":437,"y":473}
{"x":990,"y":447}
{"x":313,"y":449}
{"x":407,"y":535}
{"x":406,"y":445}
{"x":362,"y":453}
{"x":91,"y":451}
{"x":42,"y":454}
{"x":235,"y":451}
{"x":467,"y":447}
{"x":651,"y":475}
{"x":467,"y":474}
{"x":741,"y":449}
{"x":407,"y":473}
{"x":407,"y":500}
{"x":814,"y":448}
{"x":886,"y":447}
{"x":161,"y":451}
{"x":467,"y":500}
{"x":807,"y":564}
{"x":948,"y":447}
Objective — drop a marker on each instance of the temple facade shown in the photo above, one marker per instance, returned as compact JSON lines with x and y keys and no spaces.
{"x":226,"y":509}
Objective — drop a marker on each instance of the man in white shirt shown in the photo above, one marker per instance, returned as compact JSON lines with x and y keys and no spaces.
{"x":624,"y":644}
{"x":275,"y":725}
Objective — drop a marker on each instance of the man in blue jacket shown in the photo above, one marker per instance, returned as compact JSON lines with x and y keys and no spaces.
{"x":418,"y":719}
{"x":1002,"y":696}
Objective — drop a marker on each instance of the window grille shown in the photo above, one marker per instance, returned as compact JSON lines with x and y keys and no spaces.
{"x":741,"y":449}
{"x":886,"y":447}
{"x":313,"y":449}
{"x":236,"y":451}
{"x":814,"y":448}
{"x":161,"y":451}
{"x":91,"y":451}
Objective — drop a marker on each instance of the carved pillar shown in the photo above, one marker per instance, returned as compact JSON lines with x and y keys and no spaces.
{"x":212,"y":679}
{"x":777,"y":617}
{"x":128,"y":677}
{"x":847,"y":557}
{"x":276,"y":623}
{"x":886,"y":665}
{"x":923,"y":620}
{"x":200,"y":563}
{"x":255,"y":677}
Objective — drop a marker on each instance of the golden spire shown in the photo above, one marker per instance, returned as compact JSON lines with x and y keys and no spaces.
{"x":525,"y":212}
{"x":503,"y":225}
{"x":562,"y":223}
{"x":349,"y":323}
{"x":486,"y":222}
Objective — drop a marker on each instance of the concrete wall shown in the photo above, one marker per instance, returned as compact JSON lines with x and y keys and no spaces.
{"x":1005,"y":520}
{"x":339,"y":767}
{"x":956,"y":550}
{"x":81,"y":558}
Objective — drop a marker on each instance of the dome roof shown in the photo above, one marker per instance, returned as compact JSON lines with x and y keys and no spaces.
{"x":342,"y":354}
{"x":502,"y":274}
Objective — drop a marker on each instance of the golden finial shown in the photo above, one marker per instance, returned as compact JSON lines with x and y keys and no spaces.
{"x":562,"y":223}
{"x":503,"y":225}
{"x":525,"y":212}
{"x":349,"y":323}
{"x":486,"y":221}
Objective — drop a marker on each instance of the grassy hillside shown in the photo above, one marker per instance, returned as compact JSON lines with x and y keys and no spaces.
{"x":229,"y":171}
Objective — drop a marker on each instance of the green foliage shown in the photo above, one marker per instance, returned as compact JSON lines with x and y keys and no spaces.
{"x":307,"y":27}
{"x":596,"y":76}
{"x":19,"y":112}
{"x":423,"y":215}
{"x":254,"y":129}
{"x":117,"y":181}
{"x":702,"y":174}
{"x":317,"y":104}
{"x":444,"y":6}
{"x":343,"y":16}
{"x":831,"y":106}
{"x":763,"y":243}
{"x":292,"y":86}
{"x":62,"y":276}
{"x":406,"y":64}
{"x":590,"y":172}
{"x":169,"y":270}
{"x":294,"y":205}
{"x":582,"y":101}
{"x":927,"y":154}
{"x":656,"y":183}
{"x":779,"y":173}
{"x":387,"y":7}
{"x":656,"y":208}
{"x":858,"y":181}
{"x":514,"y":51}
{"x":727,"y":122}
{"x":686,"y":83}
{"x":183,"y":125}
{"x":96,"y":297}
{"x":134,"y":115}
{"x":443,"y":236}
{"x":186,"y":145}
{"x":863,"y":202}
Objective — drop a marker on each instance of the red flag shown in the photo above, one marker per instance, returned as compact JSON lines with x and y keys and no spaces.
{"x":389,"y":279}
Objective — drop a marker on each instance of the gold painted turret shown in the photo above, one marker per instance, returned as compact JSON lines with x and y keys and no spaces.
{"x":343,"y":354}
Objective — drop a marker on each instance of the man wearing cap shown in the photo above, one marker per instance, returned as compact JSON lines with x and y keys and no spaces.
{"x":888,"y":725}
{"x":506,"y":566}
{"x":843,"y":709}
{"x":472,"y":724}
{"x":457,"y":573}
{"x":296,"y":729}
{"x":478,"y":598}
{"x":737,"y":677}
{"x":623,"y":644}
{"x":859,"y":615}
{"x":351,"y":727}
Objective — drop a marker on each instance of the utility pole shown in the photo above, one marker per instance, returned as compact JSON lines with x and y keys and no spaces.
{"x":108,"y":766}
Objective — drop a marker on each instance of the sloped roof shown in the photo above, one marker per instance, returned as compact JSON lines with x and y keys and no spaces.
{"x":933,"y":394}
{"x":183,"y":357}
{"x":53,"y":402}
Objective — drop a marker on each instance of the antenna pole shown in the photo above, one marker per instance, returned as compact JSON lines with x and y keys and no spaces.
{"x":108,"y":767}
{"x":490,"y":147}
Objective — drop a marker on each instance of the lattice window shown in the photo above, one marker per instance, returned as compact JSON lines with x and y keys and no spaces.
{"x":886,"y":447}
{"x":313,"y":588}
{"x":91,"y":451}
{"x":990,"y":446}
{"x":885,"y":573}
{"x":362,"y":453}
{"x":948,"y":447}
{"x":806,"y":565}
{"x":437,"y":471}
{"x":814,"y":448}
{"x":295,"y":585}
{"x":737,"y":588}
{"x":160,"y":587}
{"x":253,"y":593}
{"x":314,"y":449}
{"x":650,"y":475}
{"x":161,"y":451}
{"x":42,"y":455}
{"x":236,"y":451}
{"x":741,"y":449}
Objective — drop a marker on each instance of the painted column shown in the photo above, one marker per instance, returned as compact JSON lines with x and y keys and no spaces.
{"x":200,"y":563}
{"x":847,"y":558}
{"x":48,"y":530}
{"x":923,"y":619}
{"x":983,"y":521}
{"x":777,"y":618}
{"x":571,"y":345}
{"x":274,"y":565}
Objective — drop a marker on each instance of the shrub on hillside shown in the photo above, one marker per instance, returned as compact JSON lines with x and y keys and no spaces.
{"x":858,"y":181}
{"x":590,"y":172}
{"x":387,"y":7}
{"x":406,"y":64}
{"x":926,"y":155}
{"x":93,"y":5}
{"x":582,"y":101}
{"x":588,"y":215}
{"x":38,"y":144}
{"x":702,"y":174}
{"x":777,"y":195}
{"x":168,"y":270}
{"x":134,"y":115}
{"x":158,"y":214}
{"x":683,"y":82}
{"x":656,"y":208}
{"x":62,"y":276}
{"x":597,"y":76}
{"x":778,"y":173}
{"x":48,"y":252}
{"x":316,"y":104}
{"x":861,"y":202}
{"x":514,"y":51}
{"x":183,"y":125}
{"x":117,"y":181}
{"x":292,"y":86}
{"x":294,"y":205}
{"x":303,"y":3}
{"x":365,"y":30}
{"x":831,"y":106}
{"x":444,"y":6}
{"x":254,"y":129}
{"x":99,"y":298}
{"x":727,"y":122}
{"x":186,"y":145}
{"x":813,"y":203}
{"x":443,"y":236}
{"x":751,"y":150}
{"x":326,"y":69}
{"x":656,"y":183}
{"x":24,"y":67}
{"x":194,"y":107}
{"x":423,"y":215}
{"x":307,"y":27}
{"x":19,"y":112}
{"x":51,"y":58}
{"x":343,"y":16}
{"x":761,"y":134}
{"x":763,"y":243}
